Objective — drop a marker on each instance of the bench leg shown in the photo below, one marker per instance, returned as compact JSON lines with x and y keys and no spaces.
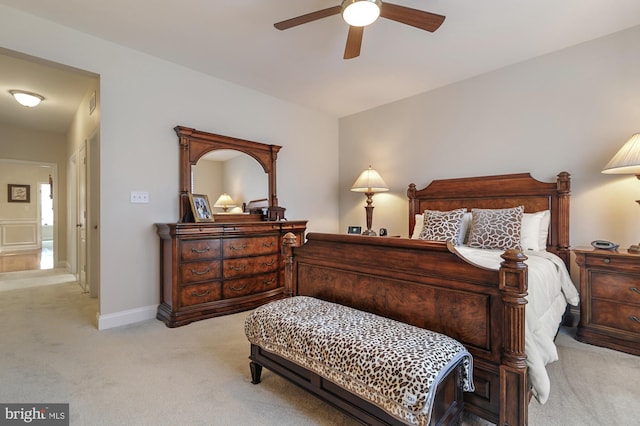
{"x":256,"y":372}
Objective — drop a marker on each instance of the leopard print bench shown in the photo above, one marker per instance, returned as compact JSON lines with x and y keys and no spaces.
{"x":394,"y":370}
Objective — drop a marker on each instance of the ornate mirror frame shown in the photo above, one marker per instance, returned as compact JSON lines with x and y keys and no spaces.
{"x":194,"y":144}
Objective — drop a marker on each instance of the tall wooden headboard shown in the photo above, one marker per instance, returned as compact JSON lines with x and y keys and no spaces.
{"x":501,"y":191}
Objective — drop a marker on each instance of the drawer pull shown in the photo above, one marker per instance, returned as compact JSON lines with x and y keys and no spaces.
{"x":206,"y":271}
{"x":273,"y":262}
{"x":238,"y":268}
{"x":238,"y":288}
{"x":196,"y":294}
{"x":204,"y":250}
{"x":242,"y":247}
{"x":272,"y":280}
{"x":635,"y":290}
{"x":269,"y":244}
{"x":634,"y":318}
{"x":606,"y":260}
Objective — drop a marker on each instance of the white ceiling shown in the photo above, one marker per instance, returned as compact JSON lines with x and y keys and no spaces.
{"x":62,"y":87}
{"x":235,"y":40}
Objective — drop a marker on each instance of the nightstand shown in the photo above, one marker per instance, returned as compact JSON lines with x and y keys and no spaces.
{"x":609,"y":299}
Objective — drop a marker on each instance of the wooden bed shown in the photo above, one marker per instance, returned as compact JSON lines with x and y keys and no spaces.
{"x":428,"y":284}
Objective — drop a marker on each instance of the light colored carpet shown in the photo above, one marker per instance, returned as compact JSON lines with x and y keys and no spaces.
{"x":148,"y":374}
{"x":36,"y":278}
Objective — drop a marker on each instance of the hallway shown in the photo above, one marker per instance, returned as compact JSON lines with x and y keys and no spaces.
{"x":31,"y":269}
{"x":28,"y":260}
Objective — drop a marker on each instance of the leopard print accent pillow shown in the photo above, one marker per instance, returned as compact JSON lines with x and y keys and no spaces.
{"x":496,"y":228}
{"x":442,"y":226}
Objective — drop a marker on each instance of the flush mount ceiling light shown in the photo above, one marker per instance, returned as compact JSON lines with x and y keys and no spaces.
{"x":27,"y":99}
{"x":360,"y":13}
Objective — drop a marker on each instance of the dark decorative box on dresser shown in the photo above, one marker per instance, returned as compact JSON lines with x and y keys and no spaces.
{"x":214,"y":269}
{"x":609,"y":299}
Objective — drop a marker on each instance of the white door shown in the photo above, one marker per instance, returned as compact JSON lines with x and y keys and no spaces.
{"x":81,"y":218}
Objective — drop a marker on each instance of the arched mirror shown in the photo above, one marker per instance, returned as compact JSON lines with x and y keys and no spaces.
{"x":213,"y":164}
{"x":233,"y":181}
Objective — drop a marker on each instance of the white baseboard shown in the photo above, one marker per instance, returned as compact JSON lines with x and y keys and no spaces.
{"x":121,"y":318}
{"x":63,"y":265}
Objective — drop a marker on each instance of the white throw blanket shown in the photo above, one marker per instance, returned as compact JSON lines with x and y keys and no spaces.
{"x":550,"y":289}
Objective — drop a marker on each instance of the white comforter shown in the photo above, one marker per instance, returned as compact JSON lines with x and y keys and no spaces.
{"x":550,"y":288}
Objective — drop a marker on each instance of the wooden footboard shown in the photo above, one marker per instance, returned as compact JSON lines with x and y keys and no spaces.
{"x":428,"y":285}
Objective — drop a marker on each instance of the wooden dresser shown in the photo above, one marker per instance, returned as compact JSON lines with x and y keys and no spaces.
{"x":609,"y":299}
{"x":213,"y":269}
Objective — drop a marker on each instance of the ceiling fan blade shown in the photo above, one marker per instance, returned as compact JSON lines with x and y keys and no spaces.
{"x":354,"y":42}
{"x":303,"y":19}
{"x":416,"y":18}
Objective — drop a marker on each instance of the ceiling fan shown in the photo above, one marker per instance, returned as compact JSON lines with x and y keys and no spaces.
{"x":360,"y":13}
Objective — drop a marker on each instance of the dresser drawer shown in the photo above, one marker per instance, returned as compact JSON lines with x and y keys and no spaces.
{"x":200,"y":249}
{"x":250,"y":246}
{"x":201,"y":293}
{"x":619,"y":287}
{"x":613,"y":261}
{"x":616,"y":315}
{"x":206,"y":270}
{"x":246,"y":286}
{"x":250,"y":266}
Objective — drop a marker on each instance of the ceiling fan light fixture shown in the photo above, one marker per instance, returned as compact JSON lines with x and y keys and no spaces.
{"x":360,"y":13}
{"x":27,"y":99}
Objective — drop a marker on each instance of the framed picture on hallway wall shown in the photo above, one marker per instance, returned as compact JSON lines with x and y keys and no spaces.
{"x":19,"y":193}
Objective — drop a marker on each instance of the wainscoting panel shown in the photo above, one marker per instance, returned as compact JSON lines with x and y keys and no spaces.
{"x":19,"y":235}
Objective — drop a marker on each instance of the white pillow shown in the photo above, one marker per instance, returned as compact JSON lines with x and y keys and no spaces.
{"x":417,"y":228}
{"x":464,"y":228}
{"x":535,"y":227}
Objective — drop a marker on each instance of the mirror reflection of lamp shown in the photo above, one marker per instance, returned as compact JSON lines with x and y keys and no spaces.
{"x":627,"y":161}
{"x":224,"y":201}
{"x":369,"y":182}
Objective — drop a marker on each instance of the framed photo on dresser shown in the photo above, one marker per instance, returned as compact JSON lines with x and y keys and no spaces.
{"x":200,"y":208}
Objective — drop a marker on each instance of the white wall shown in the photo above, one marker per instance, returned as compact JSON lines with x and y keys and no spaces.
{"x":142,"y":99}
{"x":567,"y":111}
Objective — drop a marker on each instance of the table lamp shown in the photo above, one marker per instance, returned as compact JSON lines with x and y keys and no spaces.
{"x":369,"y":182}
{"x":627,"y":161}
{"x":225,"y":202}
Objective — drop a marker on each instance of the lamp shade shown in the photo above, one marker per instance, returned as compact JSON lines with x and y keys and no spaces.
{"x":627,"y":160}
{"x":224,"y":201}
{"x":26,"y":98}
{"x":360,"y":13}
{"x":369,"y":181}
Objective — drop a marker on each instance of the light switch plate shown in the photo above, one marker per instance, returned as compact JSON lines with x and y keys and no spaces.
{"x":139,"y":197}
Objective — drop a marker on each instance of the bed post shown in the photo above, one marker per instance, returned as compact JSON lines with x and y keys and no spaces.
{"x":289,"y":241}
{"x":514,"y":384}
{"x":563,"y":186}
{"x":411,"y":193}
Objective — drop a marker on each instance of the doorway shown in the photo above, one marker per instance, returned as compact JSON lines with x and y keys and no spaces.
{"x":27,"y":231}
{"x":30,"y":136}
{"x":47,"y":220}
